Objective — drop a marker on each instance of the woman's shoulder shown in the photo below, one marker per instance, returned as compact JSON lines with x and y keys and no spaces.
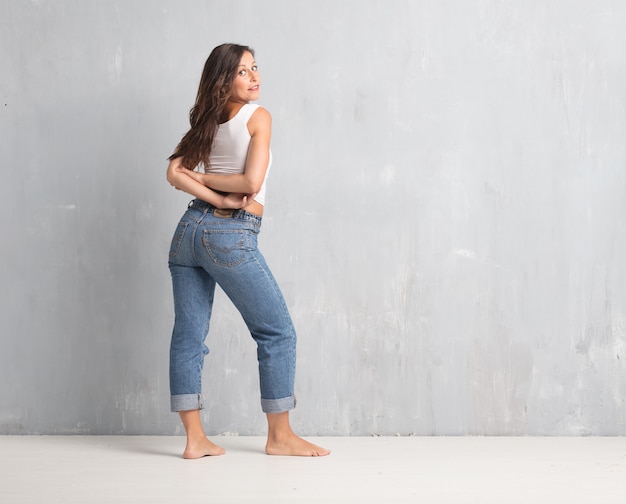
{"x":260,"y":112}
{"x":250,"y":109}
{"x":259,"y":119}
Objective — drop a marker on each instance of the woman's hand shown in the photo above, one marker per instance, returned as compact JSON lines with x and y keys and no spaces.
{"x":236,"y":201}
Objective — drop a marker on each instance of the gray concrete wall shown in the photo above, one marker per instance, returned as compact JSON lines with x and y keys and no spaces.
{"x":446,"y":213}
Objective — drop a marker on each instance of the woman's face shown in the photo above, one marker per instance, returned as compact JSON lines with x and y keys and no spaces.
{"x":247,"y":81}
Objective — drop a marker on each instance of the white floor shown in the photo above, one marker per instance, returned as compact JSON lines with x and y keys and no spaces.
{"x":137,"y":469}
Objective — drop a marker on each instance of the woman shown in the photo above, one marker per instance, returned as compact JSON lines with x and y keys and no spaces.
{"x":216,"y":242}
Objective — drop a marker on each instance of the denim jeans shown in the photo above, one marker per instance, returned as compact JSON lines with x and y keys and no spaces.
{"x":210,"y":247}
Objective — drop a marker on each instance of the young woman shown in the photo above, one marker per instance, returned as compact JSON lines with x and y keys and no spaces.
{"x":215,"y":242}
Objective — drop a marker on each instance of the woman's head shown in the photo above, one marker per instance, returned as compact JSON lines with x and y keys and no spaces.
{"x":245,"y":87}
{"x":218,"y":74}
{"x":214,"y":91}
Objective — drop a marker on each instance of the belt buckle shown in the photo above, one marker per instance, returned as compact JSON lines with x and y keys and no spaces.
{"x":223,"y":213}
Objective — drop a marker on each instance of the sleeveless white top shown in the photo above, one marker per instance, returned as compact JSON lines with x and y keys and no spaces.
{"x":230,"y":147}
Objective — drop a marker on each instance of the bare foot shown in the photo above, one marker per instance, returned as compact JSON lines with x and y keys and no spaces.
{"x":293,"y":445}
{"x":201,"y":447}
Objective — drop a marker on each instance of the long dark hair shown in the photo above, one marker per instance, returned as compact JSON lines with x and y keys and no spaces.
{"x":214,"y":90}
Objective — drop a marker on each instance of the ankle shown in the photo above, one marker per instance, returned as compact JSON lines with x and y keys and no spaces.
{"x":280,"y":436}
{"x":278,"y":425}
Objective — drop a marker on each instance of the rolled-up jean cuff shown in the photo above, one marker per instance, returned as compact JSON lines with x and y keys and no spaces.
{"x":278,"y":405}
{"x":186,"y":402}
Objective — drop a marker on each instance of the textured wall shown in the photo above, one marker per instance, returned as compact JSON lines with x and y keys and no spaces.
{"x":446,"y":213}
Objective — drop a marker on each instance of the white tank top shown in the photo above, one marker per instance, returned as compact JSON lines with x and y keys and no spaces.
{"x":230,"y":147}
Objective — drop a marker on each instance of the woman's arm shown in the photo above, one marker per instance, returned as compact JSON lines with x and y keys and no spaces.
{"x":251,"y":180}
{"x":181,"y":180}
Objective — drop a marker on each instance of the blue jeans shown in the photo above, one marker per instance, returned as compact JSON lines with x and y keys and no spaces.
{"x":210,"y":247}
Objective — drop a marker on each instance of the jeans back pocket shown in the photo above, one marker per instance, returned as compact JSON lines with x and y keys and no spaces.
{"x":226,"y":247}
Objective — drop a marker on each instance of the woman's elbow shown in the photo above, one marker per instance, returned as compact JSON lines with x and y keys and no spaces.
{"x":253,"y":189}
{"x":252,"y":186}
{"x":171,"y":174}
{"x":169,"y":177}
